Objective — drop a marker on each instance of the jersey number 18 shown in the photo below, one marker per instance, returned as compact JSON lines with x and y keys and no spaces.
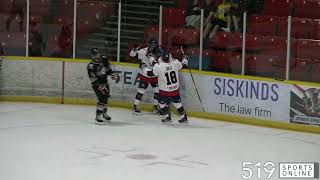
{"x":171,"y":77}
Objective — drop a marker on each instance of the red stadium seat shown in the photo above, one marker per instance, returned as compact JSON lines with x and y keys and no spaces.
{"x":175,"y":52}
{"x":254,"y":42}
{"x":40,"y":8}
{"x":226,"y":40}
{"x":208,"y":53}
{"x":84,"y":27}
{"x":183,"y":36}
{"x":260,"y":18}
{"x":235,"y":41}
{"x":308,"y":49}
{"x":301,"y":27}
{"x":174,"y":17}
{"x":278,"y":7}
{"x":265,"y":65}
{"x":220,"y":40}
{"x":66,"y":9}
{"x":227,"y":62}
{"x":307,"y":8}
{"x":303,"y":70}
{"x":275,"y":46}
{"x":267,"y":26}
{"x":315,"y":31}
{"x":236,"y":63}
{"x":192,"y":51}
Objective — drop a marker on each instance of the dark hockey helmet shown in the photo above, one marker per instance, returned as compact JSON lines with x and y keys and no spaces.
{"x":165,"y":55}
{"x":95,"y":53}
{"x":153,"y":43}
{"x":104,"y":58}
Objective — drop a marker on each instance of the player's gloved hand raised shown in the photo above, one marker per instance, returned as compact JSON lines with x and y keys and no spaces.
{"x":103,"y":89}
{"x":116,"y":77}
{"x":185,"y":60}
{"x":136,"y":47}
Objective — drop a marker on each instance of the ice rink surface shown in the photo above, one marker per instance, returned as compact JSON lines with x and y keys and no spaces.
{"x":61,"y":142}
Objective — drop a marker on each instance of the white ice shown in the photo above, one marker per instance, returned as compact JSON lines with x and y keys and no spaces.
{"x":61,"y":142}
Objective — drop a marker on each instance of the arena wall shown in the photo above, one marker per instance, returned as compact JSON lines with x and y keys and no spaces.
{"x":234,"y":98}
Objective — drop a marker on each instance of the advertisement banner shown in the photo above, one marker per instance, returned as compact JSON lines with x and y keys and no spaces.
{"x":247,"y":98}
{"x":259,"y":99}
{"x":305,"y":105}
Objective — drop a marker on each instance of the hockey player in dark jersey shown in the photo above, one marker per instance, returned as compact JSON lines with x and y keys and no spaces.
{"x":98,"y":70}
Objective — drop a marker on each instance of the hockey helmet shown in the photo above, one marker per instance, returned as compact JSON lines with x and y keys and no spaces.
{"x":165,"y":55}
{"x":95,"y":53}
{"x":153,"y":43}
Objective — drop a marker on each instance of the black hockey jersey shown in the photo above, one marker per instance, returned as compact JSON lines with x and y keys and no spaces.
{"x":98,"y":72}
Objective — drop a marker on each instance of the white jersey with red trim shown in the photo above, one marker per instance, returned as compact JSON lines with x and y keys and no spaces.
{"x":146,"y":61}
{"x":168,"y":76}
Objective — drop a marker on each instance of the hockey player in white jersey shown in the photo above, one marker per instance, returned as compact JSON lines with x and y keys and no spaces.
{"x":168,"y":78}
{"x":147,"y":56}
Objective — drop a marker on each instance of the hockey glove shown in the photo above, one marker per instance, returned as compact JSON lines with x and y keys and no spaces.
{"x":185,"y":60}
{"x":136,"y":47}
{"x":103,"y":89}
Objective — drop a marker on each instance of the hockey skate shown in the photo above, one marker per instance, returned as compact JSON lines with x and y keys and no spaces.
{"x":136,"y":110}
{"x":106,"y":117}
{"x":99,"y":119}
{"x":183,"y":120}
{"x":166,"y":119}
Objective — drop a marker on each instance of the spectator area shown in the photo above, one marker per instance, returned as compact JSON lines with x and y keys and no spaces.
{"x":266,"y":41}
{"x":49,"y":19}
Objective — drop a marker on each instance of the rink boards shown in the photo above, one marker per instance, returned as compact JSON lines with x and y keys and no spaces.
{"x":244,"y":99}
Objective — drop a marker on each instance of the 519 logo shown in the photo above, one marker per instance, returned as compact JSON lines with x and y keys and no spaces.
{"x":258,"y":170}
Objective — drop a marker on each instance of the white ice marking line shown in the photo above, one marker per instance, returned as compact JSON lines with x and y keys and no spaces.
{"x":166,"y":163}
{"x":116,"y":150}
{"x":101,"y":155}
{"x":188,"y":161}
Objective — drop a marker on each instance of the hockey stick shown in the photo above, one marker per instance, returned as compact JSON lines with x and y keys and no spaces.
{"x":182,"y":51}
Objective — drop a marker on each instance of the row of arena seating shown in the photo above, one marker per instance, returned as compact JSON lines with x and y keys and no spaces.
{"x":275,"y":25}
{"x":296,"y":8}
{"x":90,"y":14}
{"x":258,"y":24}
{"x":266,"y":41}
{"x":17,"y":41}
{"x":256,"y":64}
{"x":174,"y":36}
{"x":273,"y":45}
